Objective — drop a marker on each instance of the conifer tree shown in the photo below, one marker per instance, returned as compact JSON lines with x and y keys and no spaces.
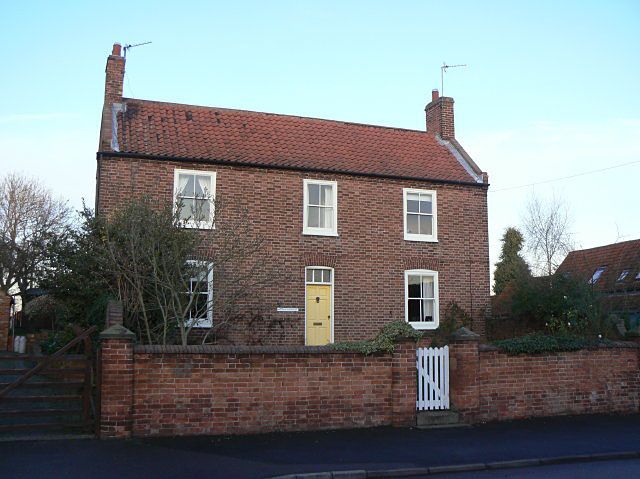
{"x":511,"y":265}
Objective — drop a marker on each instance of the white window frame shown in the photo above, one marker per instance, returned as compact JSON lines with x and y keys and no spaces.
{"x":206,"y":224}
{"x":432,"y":238}
{"x":623,"y":275}
{"x":307,"y":230}
{"x":436,"y":302}
{"x":597,"y":274}
{"x":208,"y":322}
{"x":331,"y":283}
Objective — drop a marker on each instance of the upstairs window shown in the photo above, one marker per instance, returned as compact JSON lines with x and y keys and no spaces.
{"x":194,"y":195}
{"x":421,"y":298}
{"x":420,"y":220}
{"x":596,"y":275}
{"x":623,"y":275}
{"x":320,"y":215}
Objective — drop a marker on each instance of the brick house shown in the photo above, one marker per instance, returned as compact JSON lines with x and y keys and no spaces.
{"x":613,"y":271}
{"x":372,"y":224}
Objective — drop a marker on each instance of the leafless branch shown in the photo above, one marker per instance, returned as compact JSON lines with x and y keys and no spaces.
{"x":547,"y":235}
{"x":30,"y":218}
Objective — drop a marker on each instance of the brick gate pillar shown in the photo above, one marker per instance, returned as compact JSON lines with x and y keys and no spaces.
{"x":464,"y":363}
{"x":116,"y":382}
{"x":404,"y":384}
{"x":5,"y":319}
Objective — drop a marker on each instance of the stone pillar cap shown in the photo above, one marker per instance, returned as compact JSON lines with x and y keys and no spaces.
{"x":117,"y":331}
{"x":465,"y":334}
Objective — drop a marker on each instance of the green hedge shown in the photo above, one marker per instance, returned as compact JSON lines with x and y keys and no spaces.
{"x":538,"y":343}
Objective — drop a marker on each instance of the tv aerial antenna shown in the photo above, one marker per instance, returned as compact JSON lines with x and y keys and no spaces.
{"x":128,"y":45}
{"x":443,"y":70}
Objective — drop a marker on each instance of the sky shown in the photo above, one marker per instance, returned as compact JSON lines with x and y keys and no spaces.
{"x":551,"y":89}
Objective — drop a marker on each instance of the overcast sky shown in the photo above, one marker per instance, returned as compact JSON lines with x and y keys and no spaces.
{"x":551,"y":88}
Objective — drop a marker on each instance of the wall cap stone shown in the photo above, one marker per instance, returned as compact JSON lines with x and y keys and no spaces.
{"x":217,"y":349}
{"x":488,"y":347}
{"x":117,"y":331}
{"x":465,"y":334}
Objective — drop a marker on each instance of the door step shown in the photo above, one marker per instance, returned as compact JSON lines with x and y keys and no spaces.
{"x":439,"y":419}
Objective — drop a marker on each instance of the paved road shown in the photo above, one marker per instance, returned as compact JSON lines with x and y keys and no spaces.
{"x":588,"y":470}
{"x":276,"y":454}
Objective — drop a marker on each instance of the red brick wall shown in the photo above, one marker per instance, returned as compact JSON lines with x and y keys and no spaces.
{"x":504,"y":387}
{"x":369,"y":256}
{"x":194,"y":390}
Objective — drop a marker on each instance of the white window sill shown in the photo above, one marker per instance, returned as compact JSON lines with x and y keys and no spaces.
{"x":319,"y":233}
{"x":424,"y":326}
{"x":195,"y":226}
{"x":423,"y":239}
{"x":202,"y":324}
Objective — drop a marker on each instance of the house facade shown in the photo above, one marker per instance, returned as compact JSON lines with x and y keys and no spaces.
{"x":368,"y":224}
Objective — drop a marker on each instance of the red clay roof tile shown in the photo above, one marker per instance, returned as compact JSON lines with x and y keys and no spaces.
{"x":615,"y":258}
{"x":209,"y":133}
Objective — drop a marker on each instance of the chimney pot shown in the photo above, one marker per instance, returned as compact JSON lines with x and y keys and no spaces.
{"x":117,"y":49}
{"x":435,"y":94}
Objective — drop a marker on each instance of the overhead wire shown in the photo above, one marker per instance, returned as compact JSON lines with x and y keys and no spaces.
{"x":552,"y":180}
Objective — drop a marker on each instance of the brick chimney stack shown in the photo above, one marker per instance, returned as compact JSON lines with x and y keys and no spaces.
{"x":112,"y":94}
{"x":440,"y":116}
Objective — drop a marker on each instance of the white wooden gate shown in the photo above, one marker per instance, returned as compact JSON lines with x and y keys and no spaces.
{"x":433,"y":378}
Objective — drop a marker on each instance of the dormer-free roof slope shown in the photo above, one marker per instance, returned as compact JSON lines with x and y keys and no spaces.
{"x":247,"y":137}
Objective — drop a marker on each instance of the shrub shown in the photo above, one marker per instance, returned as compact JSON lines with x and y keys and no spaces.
{"x":539,"y":343}
{"x":57,"y":339}
{"x":558,"y":304}
{"x":384,"y":342}
{"x":453,"y":318}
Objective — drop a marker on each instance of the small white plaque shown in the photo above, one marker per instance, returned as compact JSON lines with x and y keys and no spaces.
{"x":288,"y":310}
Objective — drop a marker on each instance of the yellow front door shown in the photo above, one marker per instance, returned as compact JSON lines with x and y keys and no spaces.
{"x":318,"y":314}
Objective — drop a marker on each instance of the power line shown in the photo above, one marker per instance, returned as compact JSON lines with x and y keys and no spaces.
{"x":565,"y":177}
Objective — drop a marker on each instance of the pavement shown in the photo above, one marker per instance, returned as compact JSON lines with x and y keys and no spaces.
{"x":583,"y":470}
{"x":377,"y":449}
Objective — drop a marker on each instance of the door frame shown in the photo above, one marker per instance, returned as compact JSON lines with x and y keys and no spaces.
{"x":331,"y":285}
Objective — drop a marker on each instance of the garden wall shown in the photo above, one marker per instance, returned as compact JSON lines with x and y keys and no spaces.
{"x":487,"y":385}
{"x":193,"y":390}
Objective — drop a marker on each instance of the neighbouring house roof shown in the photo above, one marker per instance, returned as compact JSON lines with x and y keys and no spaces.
{"x":613,"y":260}
{"x":264,"y":139}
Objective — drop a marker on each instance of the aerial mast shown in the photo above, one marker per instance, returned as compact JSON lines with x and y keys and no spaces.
{"x":443,"y":69}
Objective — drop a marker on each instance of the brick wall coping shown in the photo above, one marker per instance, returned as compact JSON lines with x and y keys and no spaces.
{"x":612,"y":345}
{"x":211,"y":349}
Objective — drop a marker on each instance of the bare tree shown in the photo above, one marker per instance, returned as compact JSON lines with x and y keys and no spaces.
{"x":547,"y":235}
{"x":30,"y":218}
{"x":173,"y":279}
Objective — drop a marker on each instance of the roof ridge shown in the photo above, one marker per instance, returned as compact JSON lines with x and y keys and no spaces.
{"x":605,"y":246}
{"x":344,"y":122}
